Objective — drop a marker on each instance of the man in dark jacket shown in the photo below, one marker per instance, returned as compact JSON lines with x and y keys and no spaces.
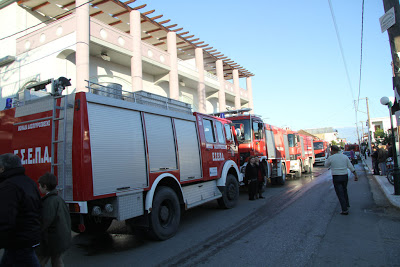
{"x":19,"y":214}
{"x":382,"y":156}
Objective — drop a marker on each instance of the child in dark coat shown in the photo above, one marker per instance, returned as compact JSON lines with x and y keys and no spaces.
{"x":56,"y":223}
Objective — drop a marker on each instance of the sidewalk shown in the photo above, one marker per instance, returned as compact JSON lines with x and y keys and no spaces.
{"x":386,"y":187}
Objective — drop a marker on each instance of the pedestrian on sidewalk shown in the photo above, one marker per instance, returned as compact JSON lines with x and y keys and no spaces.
{"x":56,"y":223}
{"x":382,"y":156}
{"x":251,"y":176}
{"x":339,"y":163}
{"x":374,"y":157}
{"x":19,"y":214}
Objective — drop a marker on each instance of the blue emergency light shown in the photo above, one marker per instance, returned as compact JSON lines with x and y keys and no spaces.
{"x":8,"y":103}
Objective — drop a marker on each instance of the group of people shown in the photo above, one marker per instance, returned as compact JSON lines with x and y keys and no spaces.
{"x":379,"y":155}
{"x":255,"y":176}
{"x":33,"y":229}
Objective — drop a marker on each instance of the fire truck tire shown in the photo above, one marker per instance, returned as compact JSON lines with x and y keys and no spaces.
{"x":230,"y":193}
{"x":165,"y":215}
{"x":281,"y":180}
{"x":311,"y":168}
{"x":93,"y":225}
{"x":297,"y":174}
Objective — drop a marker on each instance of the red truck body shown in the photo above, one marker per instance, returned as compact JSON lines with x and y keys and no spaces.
{"x":122,"y":159}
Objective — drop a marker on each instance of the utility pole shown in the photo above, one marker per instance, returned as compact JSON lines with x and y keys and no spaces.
{"x":362,"y":131}
{"x":369,"y":131}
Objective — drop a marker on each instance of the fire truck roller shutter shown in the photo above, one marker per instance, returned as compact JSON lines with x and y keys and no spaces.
{"x":117,"y":148}
{"x":189,"y":151}
{"x":161,"y":142}
{"x":269,"y":135}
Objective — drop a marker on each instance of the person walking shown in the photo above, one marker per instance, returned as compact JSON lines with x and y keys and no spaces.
{"x":339,"y":163}
{"x":19,"y":214}
{"x":251,"y":176}
{"x":56,"y":223}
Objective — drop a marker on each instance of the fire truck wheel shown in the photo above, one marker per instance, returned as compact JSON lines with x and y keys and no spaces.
{"x":165,"y":215}
{"x":311,"y":168}
{"x":297,"y":174}
{"x":230,"y":193}
{"x":282,"y":179}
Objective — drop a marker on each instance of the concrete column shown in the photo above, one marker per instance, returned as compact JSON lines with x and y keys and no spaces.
{"x":173,"y":73}
{"x":250,"y":94}
{"x":136,"y":59}
{"x":82,"y":46}
{"x":201,"y":86}
{"x":236,"y":88}
{"x":221,"y":93}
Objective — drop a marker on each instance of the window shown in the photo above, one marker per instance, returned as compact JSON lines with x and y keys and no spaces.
{"x":220,"y":132}
{"x":209,"y":131}
{"x":292,"y":140}
{"x":244,"y":127}
{"x":257,"y":128}
{"x":228,"y":132}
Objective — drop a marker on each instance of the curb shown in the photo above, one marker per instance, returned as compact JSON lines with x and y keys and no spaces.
{"x":388,"y":191}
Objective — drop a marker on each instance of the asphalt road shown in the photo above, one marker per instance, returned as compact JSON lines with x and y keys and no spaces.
{"x":298,"y":224}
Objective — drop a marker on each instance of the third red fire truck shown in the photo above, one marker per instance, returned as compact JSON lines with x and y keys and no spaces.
{"x":320,"y":151}
{"x":301,"y":152}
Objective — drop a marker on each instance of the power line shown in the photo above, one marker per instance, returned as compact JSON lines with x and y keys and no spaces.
{"x":341,"y":48}
{"x":362,"y":33}
{"x":51,"y":19}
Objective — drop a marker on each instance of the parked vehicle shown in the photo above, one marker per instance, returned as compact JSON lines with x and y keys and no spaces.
{"x":355,"y":147}
{"x":320,"y":151}
{"x":137,"y":157}
{"x":267,"y":142}
{"x":301,"y":153}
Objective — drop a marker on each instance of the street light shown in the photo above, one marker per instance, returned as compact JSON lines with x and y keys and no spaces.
{"x":386,"y":102}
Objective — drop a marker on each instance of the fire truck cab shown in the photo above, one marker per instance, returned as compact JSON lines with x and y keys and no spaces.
{"x":128,"y":156}
{"x":320,"y":151}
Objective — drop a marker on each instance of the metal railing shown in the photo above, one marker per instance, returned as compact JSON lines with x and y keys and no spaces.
{"x":140,"y":97}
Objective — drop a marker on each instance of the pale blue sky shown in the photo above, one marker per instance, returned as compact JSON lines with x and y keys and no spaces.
{"x":291,"y":46}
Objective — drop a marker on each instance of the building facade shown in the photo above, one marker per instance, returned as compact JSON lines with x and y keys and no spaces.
{"x":109,"y":42}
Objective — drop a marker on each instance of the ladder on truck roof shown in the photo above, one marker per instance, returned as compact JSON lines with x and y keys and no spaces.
{"x":233,"y":112}
{"x":57,"y":86}
{"x":56,"y":91}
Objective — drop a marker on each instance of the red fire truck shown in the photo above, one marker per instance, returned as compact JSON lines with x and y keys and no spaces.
{"x":320,"y":151}
{"x":301,"y":153}
{"x":267,"y":142}
{"x":126,"y":156}
{"x":355,"y":147}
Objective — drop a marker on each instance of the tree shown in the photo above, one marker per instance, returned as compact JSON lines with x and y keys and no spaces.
{"x":381,"y":137}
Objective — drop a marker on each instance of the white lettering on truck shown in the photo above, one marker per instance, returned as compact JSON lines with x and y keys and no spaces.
{"x":218,"y":156}
{"x":33,"y":155}
{"x":34,"y":125}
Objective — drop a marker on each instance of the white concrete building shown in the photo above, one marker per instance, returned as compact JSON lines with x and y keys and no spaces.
{"x":112,"y":42}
